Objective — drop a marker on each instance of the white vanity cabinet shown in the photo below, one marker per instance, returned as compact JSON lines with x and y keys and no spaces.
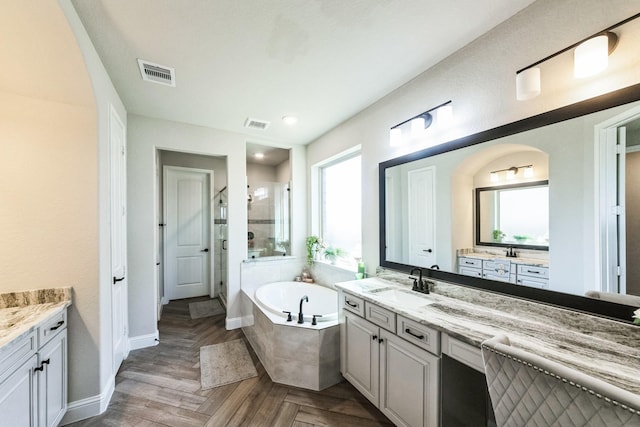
{"x":400,"y":378}
{"x":33,"y":376}
{"x":516,"y":271}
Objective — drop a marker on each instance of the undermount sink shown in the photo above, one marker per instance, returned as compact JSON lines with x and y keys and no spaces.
{"x":406,"y":299}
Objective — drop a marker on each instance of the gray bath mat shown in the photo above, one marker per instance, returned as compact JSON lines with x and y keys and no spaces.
{"x":208,"y":308}
{"x":225,"y":363}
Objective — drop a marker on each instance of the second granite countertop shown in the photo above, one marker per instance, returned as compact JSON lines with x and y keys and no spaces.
{"x":21,"y":312}
{"x":599,"y":347}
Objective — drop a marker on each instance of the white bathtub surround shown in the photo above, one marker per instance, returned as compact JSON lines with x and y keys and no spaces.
{"x":327,"y":274}
{"x":303,"y":356}
{"x":278,"y":297}
{"x":254,"y":273}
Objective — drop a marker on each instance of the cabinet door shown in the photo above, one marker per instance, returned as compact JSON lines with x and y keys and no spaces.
{"x":409,"y":383}
{"x":18,"y":396}
{"x":360,"y":355}
{"x":52,"y":381}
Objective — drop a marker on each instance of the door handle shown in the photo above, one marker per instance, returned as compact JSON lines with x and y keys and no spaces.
{"x":427,"y":250}
{"x":224,"y":244}
{"x":205,"y":250}
{"x":116,"y":280}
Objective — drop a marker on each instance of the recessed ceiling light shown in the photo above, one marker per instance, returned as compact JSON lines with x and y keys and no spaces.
{"x":290,"y":120}
{"x":259,"y":156}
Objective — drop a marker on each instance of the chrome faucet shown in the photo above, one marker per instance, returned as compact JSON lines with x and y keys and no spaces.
{"x":300,"y":315}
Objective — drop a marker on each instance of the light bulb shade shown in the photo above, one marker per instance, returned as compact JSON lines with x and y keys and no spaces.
{"x":395,"y":137}
{"x":528,"y":84}
{"x":417,"y":126}
{"x":528,"y":172}
{"x":445,"y":115}
{"x":493,"y":176}
{"x":591,"y":57}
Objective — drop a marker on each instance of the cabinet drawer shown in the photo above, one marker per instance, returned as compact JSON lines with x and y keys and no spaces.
{"x":51,"y":327}
{"x":419,"y":334}
{"x":463,"y":352}
{"x":470,"y":262}
{"x":534,"y":282}
{"x":380,"y":316}
{"x":533,"y":271}
{"x":353,"y":304}
{"x":500,"y":267}
{"x":15,"y":352}
{"x":496,"y":276}
{"x":469,"y":271}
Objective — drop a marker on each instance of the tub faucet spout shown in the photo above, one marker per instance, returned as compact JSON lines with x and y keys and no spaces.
{"x":300,"y":315}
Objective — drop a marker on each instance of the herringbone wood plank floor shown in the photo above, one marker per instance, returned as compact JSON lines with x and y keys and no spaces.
{"x":160,"y":386}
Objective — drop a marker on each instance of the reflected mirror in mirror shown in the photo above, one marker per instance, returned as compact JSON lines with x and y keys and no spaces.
{"x":268,"y":201}
{"x":513,"y":215}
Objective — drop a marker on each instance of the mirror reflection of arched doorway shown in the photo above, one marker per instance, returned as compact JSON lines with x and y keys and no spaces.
{"x":476,"y":172}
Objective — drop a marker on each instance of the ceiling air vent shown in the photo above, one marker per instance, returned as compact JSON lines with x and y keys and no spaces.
{"x":157,"y":73}
{"x":256,"y":124}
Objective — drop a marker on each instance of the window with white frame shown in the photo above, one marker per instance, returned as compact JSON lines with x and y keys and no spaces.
{"x":340,"y":218}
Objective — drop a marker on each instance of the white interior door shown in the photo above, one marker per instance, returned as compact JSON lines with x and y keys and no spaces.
{"x":119,"y":302}
{"x":187,"y":238}
{"x":421,"y":212}
{"x":614,"y":263}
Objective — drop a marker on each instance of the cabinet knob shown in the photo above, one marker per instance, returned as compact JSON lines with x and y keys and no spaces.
{"x":380,"y":340}
{"x":375,"y":337}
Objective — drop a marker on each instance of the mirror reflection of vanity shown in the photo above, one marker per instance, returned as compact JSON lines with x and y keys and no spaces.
{"x":571,"y":149}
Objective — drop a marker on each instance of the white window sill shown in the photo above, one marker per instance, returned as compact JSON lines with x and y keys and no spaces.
{"x":340,"y":266}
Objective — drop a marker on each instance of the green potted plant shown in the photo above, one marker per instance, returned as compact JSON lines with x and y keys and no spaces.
{"x":314,"y":246}
{"x":498,"y":235}
{"x":332,"y":253}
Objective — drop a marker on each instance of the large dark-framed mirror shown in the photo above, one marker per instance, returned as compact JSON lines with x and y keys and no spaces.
{"x":515,"y":136}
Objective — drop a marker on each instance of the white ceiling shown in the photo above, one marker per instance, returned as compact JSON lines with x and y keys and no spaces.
{"x":321,"y":60}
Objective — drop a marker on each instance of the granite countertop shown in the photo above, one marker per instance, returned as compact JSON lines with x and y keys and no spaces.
{"x":514,"y":260}
{"x":599,"y":347}
{"x":21,"y":312}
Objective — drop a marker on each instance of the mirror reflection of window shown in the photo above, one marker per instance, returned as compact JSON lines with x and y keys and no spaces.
{"x":514,"y":215}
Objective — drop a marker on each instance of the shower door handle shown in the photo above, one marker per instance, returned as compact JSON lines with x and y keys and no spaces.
{"x":224,"y":245}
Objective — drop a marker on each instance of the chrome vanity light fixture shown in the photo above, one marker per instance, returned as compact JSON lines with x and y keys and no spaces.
{"x":591,"y":56}
{"x":421,"y":122}
{"x":510,"y":173}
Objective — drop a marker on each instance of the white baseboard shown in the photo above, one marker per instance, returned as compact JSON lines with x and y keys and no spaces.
{"x":91,"y":406}
{"x":238,"y":322}
{"x":143,"y":341}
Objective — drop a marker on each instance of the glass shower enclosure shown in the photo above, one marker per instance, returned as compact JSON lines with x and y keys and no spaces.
{"x":268,"y":207}
{"x":221,"y":243}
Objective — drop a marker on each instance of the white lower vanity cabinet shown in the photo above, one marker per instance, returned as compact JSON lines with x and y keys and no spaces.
{"x":400,"y":378}
{"x":33,"y":376}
